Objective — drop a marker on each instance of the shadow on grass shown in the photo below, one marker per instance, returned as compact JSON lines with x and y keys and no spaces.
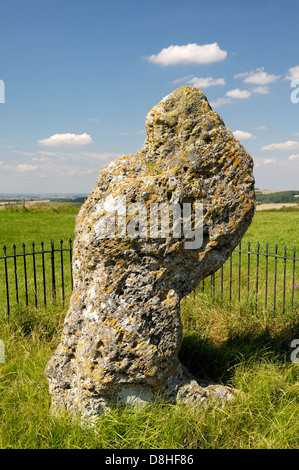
{"x":216,"y":362}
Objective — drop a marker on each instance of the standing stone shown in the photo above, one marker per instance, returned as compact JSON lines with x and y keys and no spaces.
{"x":123,"y":330}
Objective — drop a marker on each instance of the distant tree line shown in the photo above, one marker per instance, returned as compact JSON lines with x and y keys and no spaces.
{"x":76,"y":200}
{"x":277,"y":197}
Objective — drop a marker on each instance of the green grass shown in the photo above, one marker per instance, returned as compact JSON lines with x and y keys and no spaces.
{"x":251,"y":354}
{"x":274,"y":227}
{"x":239,"y":345}
{"x":43,"y":222}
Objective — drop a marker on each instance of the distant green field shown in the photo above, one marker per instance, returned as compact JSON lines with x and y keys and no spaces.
{"x":45,"y":222}
{"x":279,"y":227}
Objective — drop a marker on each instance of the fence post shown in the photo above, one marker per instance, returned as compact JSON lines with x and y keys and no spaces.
{"x":275,"y":278}
{"x":25,"y":274}
{"x":293,"y":279}
{"x":6,"y":281}
{"x":284,"y":279}
{"x":62,"y":273}
{"x":34,"y":274}
{"x":266,"y":274}
{"x":230,"y":278}
{"x":257,"y":273}
{"x":213,"y":284}
{"x":53,"y":270}
{"x":44,"y":274}
{"x":248,"y":269}
{"x":239,"y":274}
{"x":16,"y":274}
{"x":71,"y":261}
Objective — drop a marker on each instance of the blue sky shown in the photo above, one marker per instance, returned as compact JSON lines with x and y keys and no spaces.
{"x":78,"y":77}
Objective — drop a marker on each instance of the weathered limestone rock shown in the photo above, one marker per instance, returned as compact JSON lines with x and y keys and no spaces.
{"x":123,"y":331}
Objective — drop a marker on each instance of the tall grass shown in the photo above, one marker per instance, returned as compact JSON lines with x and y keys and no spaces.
{"x":240,"y":345}
{"x":249,"y":352}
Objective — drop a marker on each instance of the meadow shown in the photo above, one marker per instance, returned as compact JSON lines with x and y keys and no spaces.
{"x":240,"y":345}
{"x":43,"y":222}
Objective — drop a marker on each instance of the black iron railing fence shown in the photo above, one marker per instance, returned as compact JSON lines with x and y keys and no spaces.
{"x":36,"y":280}
{"x":267,"y":280}
{"x":42,"y":277}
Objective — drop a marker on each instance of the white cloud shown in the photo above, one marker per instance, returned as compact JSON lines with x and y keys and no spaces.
{"x":281,"y":174}
{"x":23,"y":167}
{"x":79,"y":172}
{"x":220,"y":102}
{"x":282,"y":163}
{"x":70,"y":156}
{"x":293,"y":73}
{"x":20,"y":152}
{"x":4,"y":166}
{"x":201,"y":82}
{"x":239,"y":94}
{"x":52,"y":154}
{"x":288,"y":145}
{"x":294,"y":156}
{"x":42,"y":159}
{"x":235,"y":93}
{"x":181,"y":80}
{"x":242,"y":135}
{"x":269,"y":161}
{"x":101,"y":156}
{"x":258,"y":77}
{"x":191,"y":53}
{"x":262,"y":90}
{"x":141,"y":132}
{"x":66,"y":140}
{"x":261,"y":128}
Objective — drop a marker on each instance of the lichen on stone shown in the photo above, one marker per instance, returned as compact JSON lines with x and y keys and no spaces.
{"x":123,"y":330}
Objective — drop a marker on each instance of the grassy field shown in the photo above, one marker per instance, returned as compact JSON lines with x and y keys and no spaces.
{"x":241,"y":346}
{"x":42,"y":222}
{"x":279,"y":227}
